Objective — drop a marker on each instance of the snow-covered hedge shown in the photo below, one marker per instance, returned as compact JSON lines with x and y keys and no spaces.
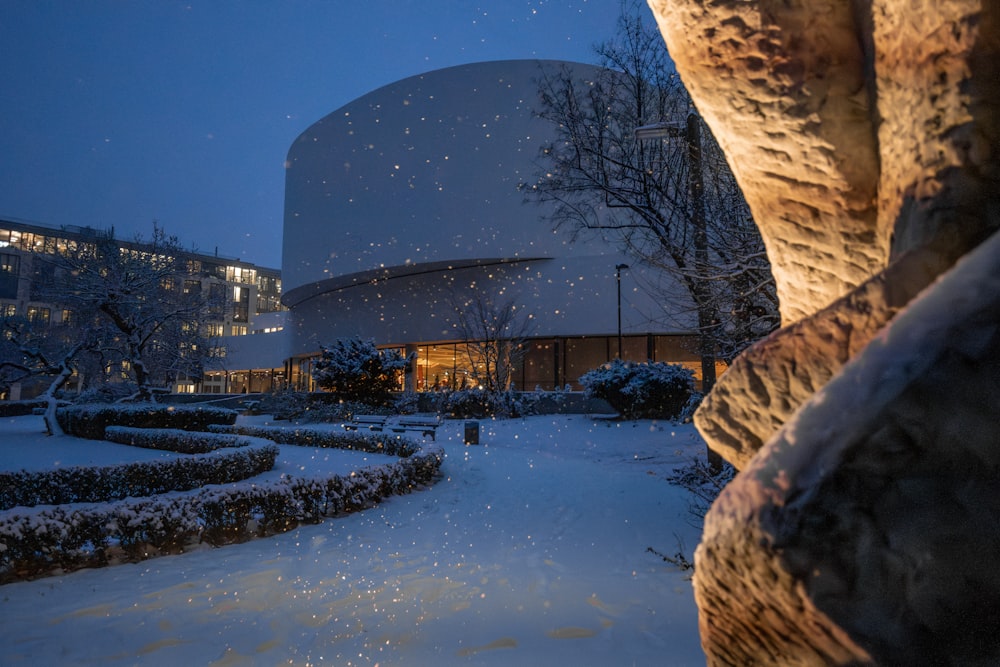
{"x":89,"y":421}
{"x":655,"y":390}
{"x":173,"y":440}
{"x":90,"y":516}
{"x":91,"y":484}
{"x":36,"y":540}
{"x":309,"y":437}
{"x":481,"y":403}
{"x":19,"y":408}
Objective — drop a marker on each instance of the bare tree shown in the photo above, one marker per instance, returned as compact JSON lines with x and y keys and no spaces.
{"x":148,"y":325}
{"x":495,"y":333}
{"x":669,"y":200}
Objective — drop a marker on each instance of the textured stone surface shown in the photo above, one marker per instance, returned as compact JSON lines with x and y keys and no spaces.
{"x":866,"y":138}
{"x":923,"y":79}
{"x":787,"y":96}
{"x":867,"y":529}
{"x":772,"y":379}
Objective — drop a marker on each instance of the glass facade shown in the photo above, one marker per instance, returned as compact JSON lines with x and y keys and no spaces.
{"x":546,"y":363}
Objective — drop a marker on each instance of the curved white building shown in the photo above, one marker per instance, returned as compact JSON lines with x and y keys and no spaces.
{"x":405,"y":202}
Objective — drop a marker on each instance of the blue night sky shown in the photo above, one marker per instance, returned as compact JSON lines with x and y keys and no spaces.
{"x":118,"y":113}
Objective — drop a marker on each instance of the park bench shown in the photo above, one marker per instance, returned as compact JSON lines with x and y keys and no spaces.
{"x":372,"y":422}
{"x":425,"y":425}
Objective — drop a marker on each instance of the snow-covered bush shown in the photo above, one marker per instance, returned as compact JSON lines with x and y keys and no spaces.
{"x":687,"y":412}
{"x":303,"y":406}
{"x":34,"y":540}
{"x":355,"y":370}
{"x":286,"y":404}
{"x":19,"y":408}
{"x":322,"y":407}
{"x":90,"y":516}
{"x":89,"y":421}
{"x":704,"y":483}
{"x":172,"y":440}
{"x":406,"y":403}
{"x":466,"y":403}
{"x":373,"y":443}
{"x":108,"y":392}
{"x":92,"y":484}
{"x":481,"y":403}
{"x":654,"y":390}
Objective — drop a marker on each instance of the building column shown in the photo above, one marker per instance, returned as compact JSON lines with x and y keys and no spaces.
{"x":410,"y":377}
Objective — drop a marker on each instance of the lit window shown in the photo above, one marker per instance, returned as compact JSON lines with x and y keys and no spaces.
{"x":38,"y":315}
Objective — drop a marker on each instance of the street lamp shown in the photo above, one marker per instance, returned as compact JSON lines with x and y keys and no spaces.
{"x":690,"y":131}
{"x":618,"y":280}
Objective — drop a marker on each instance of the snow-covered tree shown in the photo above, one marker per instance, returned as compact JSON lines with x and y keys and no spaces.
{"x":356,"y":370}
{"x":670,"y":200}
{"x":148,"y":328}
{"x":35,"y":350}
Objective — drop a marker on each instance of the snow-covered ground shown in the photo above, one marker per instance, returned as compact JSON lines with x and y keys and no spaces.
{"x":531,"y":551}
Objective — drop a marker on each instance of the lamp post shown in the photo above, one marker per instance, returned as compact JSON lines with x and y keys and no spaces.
{"x":618,"y":281}
{"x":690,"y":131}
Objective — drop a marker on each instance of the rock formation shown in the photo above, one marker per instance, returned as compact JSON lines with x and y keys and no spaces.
{"x":866,"y":138}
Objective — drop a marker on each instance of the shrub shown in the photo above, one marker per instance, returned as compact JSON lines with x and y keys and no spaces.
{"x":373,"y":443}
{"x":19,"y":408}
{"x":111,"y":392}
{"x":355,"y":370}
{"x":703,"y":483}
{"x":641,"y":390}
{"x":467,"y":403}
{"x":320,"y":407}
{"x":481,"y":403}
{"x":92,"y":484}
{"x":172,"y":440}
{"x":36,"y":540}
{"x":407,"y":403}
{"x":89,"y":421}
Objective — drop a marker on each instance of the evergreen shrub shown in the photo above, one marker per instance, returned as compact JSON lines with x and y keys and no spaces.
{"x":355,"y":370}
{"x":649,"y":390}
{"x":482,"y":403}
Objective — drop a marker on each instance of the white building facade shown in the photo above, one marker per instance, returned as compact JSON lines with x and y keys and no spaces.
{"x":404,"y":205}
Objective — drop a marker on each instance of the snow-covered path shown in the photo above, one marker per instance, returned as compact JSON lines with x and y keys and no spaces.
{"x":532,"y":551}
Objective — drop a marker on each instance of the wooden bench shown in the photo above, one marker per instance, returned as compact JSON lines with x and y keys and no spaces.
{"x":426,"y":425}
{"x":372,"y":422}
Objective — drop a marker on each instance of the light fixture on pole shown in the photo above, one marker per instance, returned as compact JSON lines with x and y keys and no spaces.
{"x":618,"y":281}
{"x":690,"y":131}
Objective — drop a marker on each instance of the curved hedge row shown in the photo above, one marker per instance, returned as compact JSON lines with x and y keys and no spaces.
{"x":19,"y":408}
{"x":35,"y":540}
{"x":95,"y":484}
{"x":172,"y":439}
{"x":90,"y":420}
{"x":310,"y":437}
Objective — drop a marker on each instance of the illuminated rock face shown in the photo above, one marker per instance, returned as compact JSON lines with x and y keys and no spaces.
{"x":866,"y":138}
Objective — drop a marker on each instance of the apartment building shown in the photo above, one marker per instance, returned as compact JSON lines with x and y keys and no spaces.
{"x":248,"y":291}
